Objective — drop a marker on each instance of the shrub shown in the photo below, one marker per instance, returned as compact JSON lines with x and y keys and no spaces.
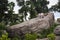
{"x":30,"y":36}
{"x":2,"y":26}
{"x":15,"y":38}
{"x":51,"y":36}
{"x":4,"y":37}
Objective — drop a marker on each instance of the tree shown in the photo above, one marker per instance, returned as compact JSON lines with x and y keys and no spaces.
{"x":41,"y":6}
{"x":56,"y":7}
{"x":33,"y":7}
{"x":23,"y":10}
{"x":11,"y":17}
{"x":3,"y":8}
{"x":7,"y":15}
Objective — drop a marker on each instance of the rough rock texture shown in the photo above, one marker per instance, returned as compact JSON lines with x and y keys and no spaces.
{"x":33,"y":25}
{"x":57,"y":30}
{"x":43,"y":39}
{"x":57,"y":38}
{"x":58,"y":19}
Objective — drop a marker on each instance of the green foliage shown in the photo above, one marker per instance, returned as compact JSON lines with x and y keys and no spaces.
{"x":4,"y":37}
{"x":11,"y":17}
{"x":15,"y":38}
{"x":3,"y":8}
{"x":41,"y":6}
{"x":2,"y":26}
{"x":51,"y":36}
{"x":7,"y":15}
{"x":30,"y":37}
{"x":33,"y":7}
{"x":44,"y":33}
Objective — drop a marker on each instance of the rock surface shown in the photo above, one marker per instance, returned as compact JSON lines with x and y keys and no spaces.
{"x":33,"y":25}
{"x":57,"y":38}
{"x":57,"y":30}
{"x":43,"y":39}
{"x":58,"y":19}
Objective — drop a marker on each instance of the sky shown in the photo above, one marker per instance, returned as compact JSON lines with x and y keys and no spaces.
{"x":16,"y":7}
{"x":52,"y":2}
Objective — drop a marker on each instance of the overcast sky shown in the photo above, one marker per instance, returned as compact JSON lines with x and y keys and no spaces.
{"x":52,"y":2}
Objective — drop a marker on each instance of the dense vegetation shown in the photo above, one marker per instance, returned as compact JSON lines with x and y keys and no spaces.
{"x":33,"y":7}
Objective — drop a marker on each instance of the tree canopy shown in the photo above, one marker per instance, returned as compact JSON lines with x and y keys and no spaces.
{"x":33,"y":7}
{"x":3,"y":8}
{"x":7,"y":15}
{"x":56,"y":7}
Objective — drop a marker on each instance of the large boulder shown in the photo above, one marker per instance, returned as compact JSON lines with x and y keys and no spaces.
{"x":34,"y":25}
{"x":57,"y":30}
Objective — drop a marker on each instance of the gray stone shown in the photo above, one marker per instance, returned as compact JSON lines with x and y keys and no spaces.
{"x":41,"y":15}
{"x":57,"y":30}
{"x":58,"y":19}
{"x":57,"y":38}
{"x":34,"y":25}
{"x":43,"y":39}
